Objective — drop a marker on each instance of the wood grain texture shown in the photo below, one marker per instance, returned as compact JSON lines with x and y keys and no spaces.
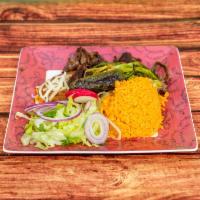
{"x":196,"y":120}
{"x":193,"y":88}
{"x":190,"y":61}
{"x":182,"y":34}
{"x":3,"y":123}
{"x":152,"y":177}
{"x":99,"y":10}
{"x":8,"y":65}
{"x":6,"y":88}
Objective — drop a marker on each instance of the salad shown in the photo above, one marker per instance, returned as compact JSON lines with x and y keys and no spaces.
{"x":76,"y":120}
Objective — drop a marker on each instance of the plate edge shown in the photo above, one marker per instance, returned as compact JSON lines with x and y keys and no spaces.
{"x":178,"y":53}
{"x":100,"y":152}
{"x":13,"y":94}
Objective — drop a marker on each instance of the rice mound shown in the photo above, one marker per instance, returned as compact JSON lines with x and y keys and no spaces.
{"x":136,"y":107}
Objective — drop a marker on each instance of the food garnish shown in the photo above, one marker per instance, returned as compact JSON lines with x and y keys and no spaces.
{"x":57,"y":123}
{"x":82,"y":95}
{"x":96,"y":128}
{"x":50,"y":88}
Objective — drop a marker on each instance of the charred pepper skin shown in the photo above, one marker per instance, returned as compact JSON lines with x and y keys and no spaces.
{"x":98,"y":83}
{"x":103,"y":77}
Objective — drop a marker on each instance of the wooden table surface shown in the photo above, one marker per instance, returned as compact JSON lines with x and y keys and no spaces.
{"x":87,"y":22}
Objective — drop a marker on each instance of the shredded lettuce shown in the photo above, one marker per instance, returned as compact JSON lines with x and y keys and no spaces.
{"x":48,"y":139}
{"x":25,"y":139}
{"x":45,"y":134}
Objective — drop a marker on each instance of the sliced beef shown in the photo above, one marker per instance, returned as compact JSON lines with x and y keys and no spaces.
{"x":82,"y":59}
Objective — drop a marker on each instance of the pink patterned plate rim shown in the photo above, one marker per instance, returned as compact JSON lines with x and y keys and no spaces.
{"x":178,"y":134}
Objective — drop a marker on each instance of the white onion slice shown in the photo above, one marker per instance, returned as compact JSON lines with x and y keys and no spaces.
{"x":51,"y":87}
{"x":36,"y":106}
{"x":21,"y":115}
{"x":117,"y":130}
{"x":104,"y":126}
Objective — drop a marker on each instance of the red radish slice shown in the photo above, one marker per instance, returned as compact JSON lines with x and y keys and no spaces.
{"x":82,"y":95}
{"x":81,"y":92}
{"x":71,"y":93}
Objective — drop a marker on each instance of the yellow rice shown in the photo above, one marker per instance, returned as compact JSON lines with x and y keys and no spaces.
{"x":135,"y":106}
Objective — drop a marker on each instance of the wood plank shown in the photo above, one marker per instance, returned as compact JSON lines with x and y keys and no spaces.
{"x":8,"y":65}
{"x":152,"y":177}
{"x":190,"y":61}
{"x":6,"y":88}
{"x":100,"y":10}
{"x":3,"y":123}
{"x":196,"y":120}
{"x":193,"y":88}
{"x":182,"y":34}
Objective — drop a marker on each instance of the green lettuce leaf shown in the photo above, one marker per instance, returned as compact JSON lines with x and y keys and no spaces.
{"x":45,"y":134}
